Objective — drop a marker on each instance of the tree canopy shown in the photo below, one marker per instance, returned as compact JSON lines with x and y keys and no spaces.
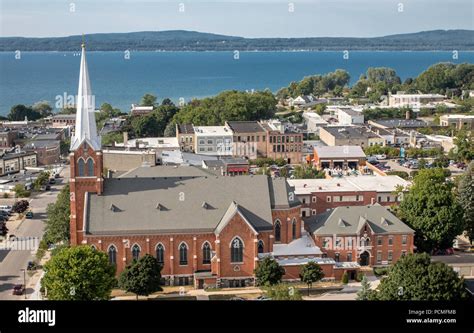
{"x":268,"y":272}
{"x":56,"y":228}
{"x":431,"y":209}
{"x":19,"y":112}
{"x":466,"y":199}
{"x":79,"y":273}
{"x":414,"y":277}
{"x":142,"y":277}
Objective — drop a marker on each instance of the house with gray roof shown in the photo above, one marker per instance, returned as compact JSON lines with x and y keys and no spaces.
{"x":369,"y":235}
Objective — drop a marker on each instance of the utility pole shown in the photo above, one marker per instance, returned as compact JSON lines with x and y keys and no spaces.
{"x":24,"y":280}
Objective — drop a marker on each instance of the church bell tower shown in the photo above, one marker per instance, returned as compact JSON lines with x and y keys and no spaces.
{"x":85,"y":157}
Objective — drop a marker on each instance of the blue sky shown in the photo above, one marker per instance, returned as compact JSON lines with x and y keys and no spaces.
{"x":258,"y":18}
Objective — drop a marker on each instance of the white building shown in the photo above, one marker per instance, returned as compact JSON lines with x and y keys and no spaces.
{"x":347,"y":117}
{"x":314,"y":122}
{"x":414,"y":101}
{"x":213,"y":140}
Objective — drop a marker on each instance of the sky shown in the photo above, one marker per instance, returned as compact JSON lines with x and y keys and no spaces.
{"x":246,"y":18}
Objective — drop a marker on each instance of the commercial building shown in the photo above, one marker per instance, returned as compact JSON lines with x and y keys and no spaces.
{"x":249,"y":139}
{"x":319,"y":195}
{"x":63,"y":120}
{"x":185,"y":136}
{"x":47,"y":151}
{"x":350,"y":136}
{"x":398,"y":123}
{"x":414,"y":101}
{"x":314,"y":122}
{"x":283,"y":142}
{"x":342,"y":157}
{"x":7,"y":138}
{"x":458,"y":121}
{"x":14,"y":162}
{"x":213,"y":140}
{"x":138,"y":110}
{"x":347,"y":117}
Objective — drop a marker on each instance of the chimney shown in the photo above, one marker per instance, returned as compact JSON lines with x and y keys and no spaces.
{"x":407,"y":115}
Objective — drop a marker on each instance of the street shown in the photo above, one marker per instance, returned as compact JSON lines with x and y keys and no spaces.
{"x":13,"y":261}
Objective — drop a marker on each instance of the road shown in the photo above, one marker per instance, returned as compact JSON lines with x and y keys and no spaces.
{"x":13,"y":261}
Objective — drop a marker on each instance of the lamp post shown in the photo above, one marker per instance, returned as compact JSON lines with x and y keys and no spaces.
{"x":24,"y":280}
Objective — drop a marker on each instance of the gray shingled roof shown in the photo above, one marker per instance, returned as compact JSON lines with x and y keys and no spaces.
{"x":350,"y":220}
{"x":245,"y":126}
{"x":141,"y":205}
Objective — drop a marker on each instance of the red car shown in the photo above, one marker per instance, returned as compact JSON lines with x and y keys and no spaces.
{"x":18,"y":289}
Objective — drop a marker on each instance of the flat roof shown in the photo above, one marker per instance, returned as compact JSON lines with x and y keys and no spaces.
{"x":457,"y":116}
{"x":212,"y":130}
{"x":348,"y":184}
{"x":350,"y":132}
{"x":339,"y":151}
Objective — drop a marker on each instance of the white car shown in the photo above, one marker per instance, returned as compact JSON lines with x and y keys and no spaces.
{"x":381,"y":157}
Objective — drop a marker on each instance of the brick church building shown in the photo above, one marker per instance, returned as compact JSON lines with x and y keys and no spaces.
{"x":208,"y":230}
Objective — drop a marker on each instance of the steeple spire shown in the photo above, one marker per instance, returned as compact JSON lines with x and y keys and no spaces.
{"x":85,"y":107}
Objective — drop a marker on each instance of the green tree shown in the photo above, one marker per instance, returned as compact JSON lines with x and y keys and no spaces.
{"x":464,"y":150}
{"x":283,"y":292}
{"x":415,"y":278}
{"x":20,"y":206}
{"x":466,"y":199}
{"x":431,"y":209}
{"x":42,"y":179}
{"x":148,"y":100}
{"x":320,"y":108}
{"x":56,"y":228}
{"x":20,"y":191}
{"x":78,"y":273}
{"x":268,"y":272}
{"x":345,"y":278}
{"x":308,"y":172}
{"x":43,"y":108}
{"x":142,"y":277}
{"x":310,"y":273}
{"x":112,"y":137}
{"x":364,"y":294}
{"x":20,"y":112}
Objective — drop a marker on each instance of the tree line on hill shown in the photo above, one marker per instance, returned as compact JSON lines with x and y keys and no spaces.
{"x":443,"y":78}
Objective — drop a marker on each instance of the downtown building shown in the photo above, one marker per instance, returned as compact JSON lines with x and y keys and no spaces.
{"x":205,"y":230}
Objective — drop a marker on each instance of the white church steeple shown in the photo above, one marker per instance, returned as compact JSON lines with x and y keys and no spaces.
{"x":85,"y":129}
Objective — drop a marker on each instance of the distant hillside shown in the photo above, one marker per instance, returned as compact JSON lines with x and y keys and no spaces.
{"x":179,"y":40}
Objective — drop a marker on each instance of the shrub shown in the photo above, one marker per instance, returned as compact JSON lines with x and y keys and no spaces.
{"x":5,"y":195}
{"x":401,"y":174}
{"x":380,"y":271}
{"x":360,"y":276}
{"x":345,"y":278}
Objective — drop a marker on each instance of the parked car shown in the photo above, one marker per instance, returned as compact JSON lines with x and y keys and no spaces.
{"x":52,"y":181}
{"x":18,"y":289}
{"x":45,"y":187}
{"x":6,"y":208}
{"x":235,"y":298}
{"x":57,"y":175}
{"x":381,"y":157}
{"x":29,"y":215}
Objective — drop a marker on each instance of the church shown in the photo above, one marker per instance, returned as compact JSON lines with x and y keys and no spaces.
{"x":212,"y":231}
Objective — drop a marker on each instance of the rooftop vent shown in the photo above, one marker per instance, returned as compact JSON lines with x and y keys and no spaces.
{"x":114,"y":208}
{"x":160,"y":207}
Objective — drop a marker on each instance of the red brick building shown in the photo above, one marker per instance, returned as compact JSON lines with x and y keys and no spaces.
{"x":319,"y":195}
{"x":205,"y":230}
